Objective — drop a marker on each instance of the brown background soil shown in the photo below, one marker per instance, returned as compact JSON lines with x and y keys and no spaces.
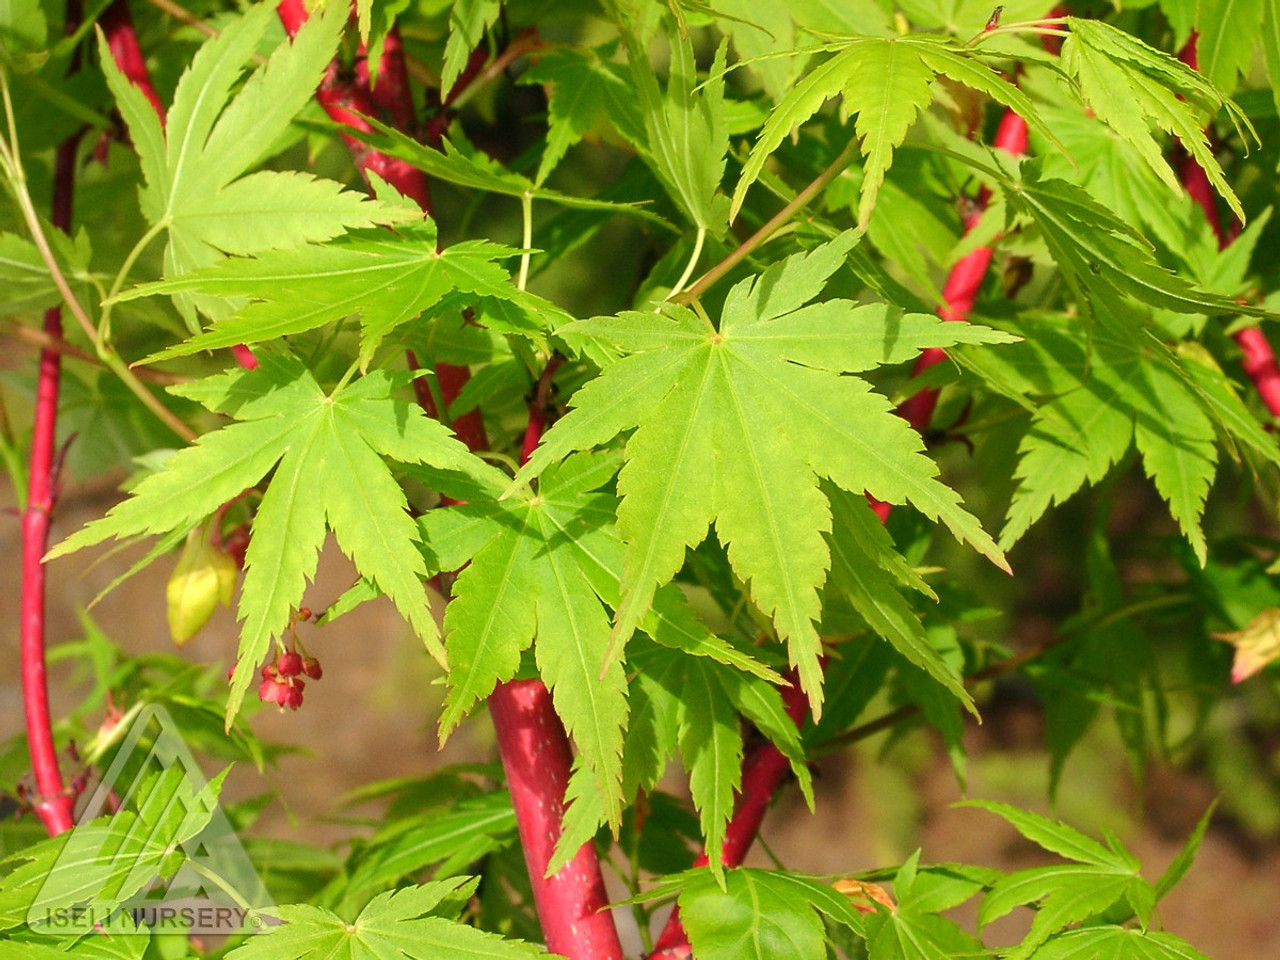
{"x":372,"y":716}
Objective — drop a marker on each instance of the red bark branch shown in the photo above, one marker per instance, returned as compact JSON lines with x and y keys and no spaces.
{"x":1259,"y":360}
{"x":52,"y":802}
{"x":964,"y":282}
{"x":531,"y":739}
{"x":537,"y":761}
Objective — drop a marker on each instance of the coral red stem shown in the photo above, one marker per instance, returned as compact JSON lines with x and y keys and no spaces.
{"x":964,"y":282}
{"x":52,"y":802}
{"x":122,"y":40}
{"x":531,"y":739}
{"x":537,"y":761}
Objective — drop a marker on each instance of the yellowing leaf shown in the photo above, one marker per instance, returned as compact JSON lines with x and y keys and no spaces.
{"x":1257,"y":645}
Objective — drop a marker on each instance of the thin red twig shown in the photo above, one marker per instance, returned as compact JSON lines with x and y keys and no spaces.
{"x":122,"y":40}
{"x":52,"y":802}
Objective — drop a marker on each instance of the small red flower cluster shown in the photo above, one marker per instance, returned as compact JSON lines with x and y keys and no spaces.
{"x":282,"y":682}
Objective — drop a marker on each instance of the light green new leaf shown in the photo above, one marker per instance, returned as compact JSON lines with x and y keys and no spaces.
{"x":1228,"y":38}
{"x":1067,"y":893}
{"x":1131,"y":86}
{"x":194,"y":167}
{"x":587,"y":91}
{"x":752,"y":918}
{"x":468,"y":20}
{"x":327,"y":451}
{"x":907,"y":934}
{"x":885,"y":83}
{"x":387,"y":281}
{"x":525,"y":580}
{"x":1118,"y":943}
{"x":686,"y":135}
{"x":749,"y":912}
{"x":711,"y":748}
{"x":692,"y":705}
{"x":759,"y":31}
{"x":394,"y":925}
{"x":761,"y":412}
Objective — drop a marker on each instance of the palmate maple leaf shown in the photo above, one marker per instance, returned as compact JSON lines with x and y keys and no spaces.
{"x":194,"y":164}
{"x":736,"y":425}
{"x":327,"y":453}
{"x":418,"y":921}
{"x":539,"y":570}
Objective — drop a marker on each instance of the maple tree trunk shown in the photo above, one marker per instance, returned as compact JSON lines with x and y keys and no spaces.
{"x":537,"y":761}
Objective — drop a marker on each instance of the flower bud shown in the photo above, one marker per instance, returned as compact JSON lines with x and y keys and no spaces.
{"x":203,"y":578}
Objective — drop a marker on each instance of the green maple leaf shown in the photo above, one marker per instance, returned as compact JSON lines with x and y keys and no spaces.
{"x":687,"y":137}
{"x":468,"y":20}
{"x":1118,"y":943}
{"x":384,"y":279}
{"x":1101,"y":254}
{"x":541,"y":570}
{"x":1108,"y":390}
{"x":194,"y":167}
{"x":1132,"y":87}
{"x":1067,"y":893}
{"x":587,"y":91}
{"x":1271,"y":45}
{"x":884,"y":83}
{"x":737,"y":424}
{"x":327,"y":453}
{"x":693,"y":705}
{"x":1228,"y":37}
{"x":478,"y":172}
{"x":526,"y":579}
{"x":868,"y":571}
{"x":752,"y":913}
{"x":410,"y":922}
